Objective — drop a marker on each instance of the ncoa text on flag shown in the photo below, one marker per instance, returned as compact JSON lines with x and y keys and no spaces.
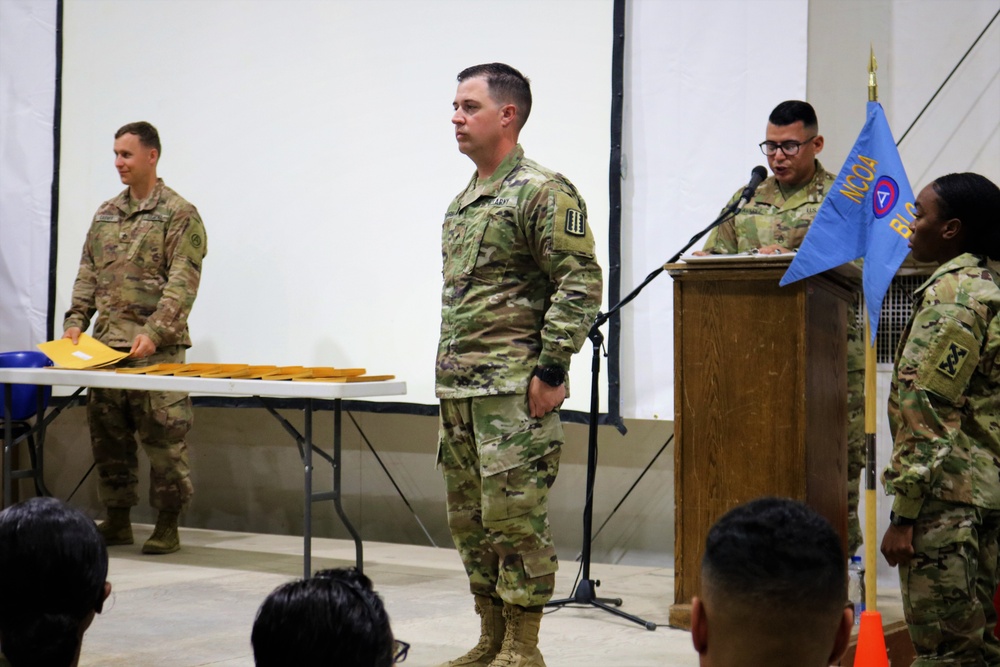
{"x":867,"y":213}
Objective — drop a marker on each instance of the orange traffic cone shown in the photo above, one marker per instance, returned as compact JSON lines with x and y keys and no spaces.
{"x":870,"y":651}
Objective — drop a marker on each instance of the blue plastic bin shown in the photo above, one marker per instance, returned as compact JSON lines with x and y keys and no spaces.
{"x":25,"y":396}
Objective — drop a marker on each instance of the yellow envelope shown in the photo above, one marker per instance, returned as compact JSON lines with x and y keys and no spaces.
{"x":90,"y":353}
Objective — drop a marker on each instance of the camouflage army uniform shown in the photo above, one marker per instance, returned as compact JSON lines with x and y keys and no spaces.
{"x":769,"y":218}
{"x":521,"y":288}
{"x":944,"y":413}
{"x":139,"y":272}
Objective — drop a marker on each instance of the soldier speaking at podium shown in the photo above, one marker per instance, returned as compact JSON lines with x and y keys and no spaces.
{"x":776,"y":220}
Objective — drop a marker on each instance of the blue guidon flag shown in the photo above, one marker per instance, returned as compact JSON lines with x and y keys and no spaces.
{"x":867,"y":213}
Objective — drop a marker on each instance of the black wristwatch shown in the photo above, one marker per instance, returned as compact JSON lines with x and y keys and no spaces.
{"x":897,"y":520}
{"x":550,"y":375}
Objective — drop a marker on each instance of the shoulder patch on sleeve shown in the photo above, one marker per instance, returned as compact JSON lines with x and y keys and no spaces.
{"x":575,"y":224}
{"x":950,"y":361}
{"x":570,"y":231}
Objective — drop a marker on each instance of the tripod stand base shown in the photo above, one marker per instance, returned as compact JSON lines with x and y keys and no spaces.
{"x":585,"y":594}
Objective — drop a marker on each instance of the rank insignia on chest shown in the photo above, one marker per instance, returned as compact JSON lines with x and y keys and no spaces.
{"x":951,"y":360}
{"x":575,"y":225}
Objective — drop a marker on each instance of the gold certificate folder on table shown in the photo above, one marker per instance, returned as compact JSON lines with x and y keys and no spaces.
{"x":88,"y":354}
{"x":248,"y":372}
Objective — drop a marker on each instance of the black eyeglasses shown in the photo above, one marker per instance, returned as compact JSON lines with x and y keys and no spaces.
{"x":399,"y":651}
{"x":789,"y":148}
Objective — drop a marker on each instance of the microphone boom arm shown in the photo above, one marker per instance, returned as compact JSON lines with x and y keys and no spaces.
{"x":729,"y":212}
{"x":757,"y":175}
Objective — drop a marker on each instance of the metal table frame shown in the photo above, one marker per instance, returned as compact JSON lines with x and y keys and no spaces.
{"x":263,"y":390}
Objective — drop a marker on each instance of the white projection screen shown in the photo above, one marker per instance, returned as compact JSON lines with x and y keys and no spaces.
{"x":314,"y":137}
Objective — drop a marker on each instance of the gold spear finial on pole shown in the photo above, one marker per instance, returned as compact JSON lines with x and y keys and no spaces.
{"x":872,"y":81}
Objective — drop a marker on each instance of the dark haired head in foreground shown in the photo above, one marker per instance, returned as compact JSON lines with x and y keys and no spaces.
{"x":53,"y":580}
{"x":774,"y":589}
{"x":332,"y":618}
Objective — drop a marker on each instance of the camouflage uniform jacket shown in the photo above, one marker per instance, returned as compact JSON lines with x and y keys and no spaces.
{"x":944,"y":404}
{"x":769,"y":218}
{"x":140,"y":270}
{"x":521,"y":284}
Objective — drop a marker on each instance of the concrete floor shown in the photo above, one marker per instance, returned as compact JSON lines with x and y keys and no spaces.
{"x":196,"y":607}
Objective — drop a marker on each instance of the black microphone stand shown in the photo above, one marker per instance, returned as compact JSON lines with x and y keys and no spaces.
{"x":585,"y":591}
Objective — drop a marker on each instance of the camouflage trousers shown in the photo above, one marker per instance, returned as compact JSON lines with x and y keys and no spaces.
{"x":161,"y":419}
{"x":499,"y":464}
{"x":949,"y":584}
{"x":855,"y":456}
{"x":855,"y":420}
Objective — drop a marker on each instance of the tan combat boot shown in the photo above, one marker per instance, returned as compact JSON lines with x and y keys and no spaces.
{"x":490,"y":635}
{"x":164,"y":539}
{"x":520,"y":640}
{"x":117,"y":528}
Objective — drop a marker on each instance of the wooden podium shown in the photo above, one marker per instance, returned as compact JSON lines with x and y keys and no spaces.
{"x":760,"y":394}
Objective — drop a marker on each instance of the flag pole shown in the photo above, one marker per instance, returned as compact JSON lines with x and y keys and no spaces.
{"x":871,"y":525}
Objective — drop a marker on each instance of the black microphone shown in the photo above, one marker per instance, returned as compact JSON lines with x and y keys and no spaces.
{"x":756,"y":176}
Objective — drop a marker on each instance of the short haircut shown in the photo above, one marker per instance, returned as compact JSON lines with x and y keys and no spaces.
{"x":975,"y":200}
{"x":332,"y":618}
{"x":53,"y":570}
{"x":776,"y":553}
{"x":506,"y":86}
{"x":148,"y":136}
{"x":792,"y":111}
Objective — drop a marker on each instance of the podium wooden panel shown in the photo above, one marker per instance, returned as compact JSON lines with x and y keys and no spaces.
{"x":760,"y":399}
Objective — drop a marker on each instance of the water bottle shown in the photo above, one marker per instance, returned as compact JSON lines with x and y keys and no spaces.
{"x":856,"y":586}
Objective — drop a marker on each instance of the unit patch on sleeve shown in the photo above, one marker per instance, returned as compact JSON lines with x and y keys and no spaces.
{"x":949,"y":361}
{"x":570,"y":232}
{"x":575,"y":224}
{"x":952,"y":359}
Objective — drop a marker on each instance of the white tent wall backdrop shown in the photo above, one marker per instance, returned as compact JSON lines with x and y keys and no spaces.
{"x":27,"y":106}
{"x":287,"y":127}
{"x":315,"y":139}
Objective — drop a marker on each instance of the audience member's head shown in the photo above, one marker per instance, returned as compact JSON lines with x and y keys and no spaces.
{"x":773,"y":589}
{"x":333,"y":618}
{"x":53,"y":580}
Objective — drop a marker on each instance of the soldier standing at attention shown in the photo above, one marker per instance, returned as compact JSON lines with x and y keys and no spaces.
{"x":139,"y":272}
{"x":521,"y":290}
{"x":776,"y":221}
{"x":944,"y":414}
